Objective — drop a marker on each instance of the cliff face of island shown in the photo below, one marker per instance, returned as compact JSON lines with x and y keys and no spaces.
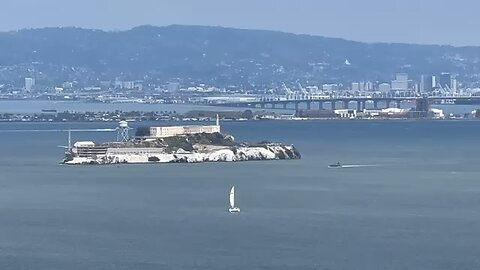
{"x":268,"y":152}
{"x":180,"y":149}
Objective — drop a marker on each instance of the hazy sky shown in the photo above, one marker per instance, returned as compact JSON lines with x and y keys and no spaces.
{"x":412,"y":21}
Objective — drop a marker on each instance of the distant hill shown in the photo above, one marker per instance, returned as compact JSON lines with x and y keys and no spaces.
{"x":219,"y":56}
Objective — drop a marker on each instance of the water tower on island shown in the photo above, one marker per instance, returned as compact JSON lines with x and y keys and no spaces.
{"x":122,"y":131}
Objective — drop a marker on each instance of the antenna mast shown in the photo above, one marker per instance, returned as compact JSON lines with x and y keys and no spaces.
{"x":69,"y":140}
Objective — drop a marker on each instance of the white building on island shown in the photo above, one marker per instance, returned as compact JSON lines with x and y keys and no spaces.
{"x":162,"y":132}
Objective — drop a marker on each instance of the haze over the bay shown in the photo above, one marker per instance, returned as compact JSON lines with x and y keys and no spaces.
{"x":406,"y":21}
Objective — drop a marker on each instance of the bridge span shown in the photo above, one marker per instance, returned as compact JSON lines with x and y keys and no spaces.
{"x":343,"y":101}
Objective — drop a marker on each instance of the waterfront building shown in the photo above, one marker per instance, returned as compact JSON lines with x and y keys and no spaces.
{"x":346,"y":113}
{"x":322,"y":113}
{"x":436,"y":113}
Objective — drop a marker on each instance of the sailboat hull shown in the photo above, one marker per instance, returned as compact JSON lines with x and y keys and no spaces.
{"x":234,"y":210}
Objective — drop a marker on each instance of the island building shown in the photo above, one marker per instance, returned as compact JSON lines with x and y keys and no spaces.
{"x":163,"y":132}
{"x":90,"y":149}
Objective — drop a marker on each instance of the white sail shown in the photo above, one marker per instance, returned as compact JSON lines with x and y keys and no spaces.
{"x":232,"y":197}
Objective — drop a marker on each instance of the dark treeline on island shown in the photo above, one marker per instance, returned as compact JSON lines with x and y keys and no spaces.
{"x":205,"y":116}
{"x":115,"y":116}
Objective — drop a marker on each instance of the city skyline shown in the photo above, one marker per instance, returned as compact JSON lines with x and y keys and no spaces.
{"x":369,"y":20}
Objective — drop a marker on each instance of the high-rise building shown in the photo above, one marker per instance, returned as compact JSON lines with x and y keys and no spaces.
{"x":444,"y":81}
{"x":29,"y":84}
{"x":384,"y":87}
{"x":369,"y":86}
{"x":427,"y":83}
{"x":434,"y":82}
{"x":453,"y":85}
{"x":355,"y":86}
{"x":422,"y":84}
{"x":416,"y":88}
{"x":362,"y":86}
{"x":402,"y":77}
{"x":400,"y":83}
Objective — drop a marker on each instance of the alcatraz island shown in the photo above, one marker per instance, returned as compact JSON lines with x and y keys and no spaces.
{"x":174,"y":144}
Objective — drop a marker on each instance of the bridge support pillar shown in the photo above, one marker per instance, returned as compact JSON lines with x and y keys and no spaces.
{"x":320,"y":105}
{"x":345,"y":104}
{"x":296,"y":106}
{"x":364,"y":104}
{"x":309,"y":105}
{"x":398,"y":104}
{"x":375,"y":104}
{"x":359,"y":106}
{"x":333,"y":105}
{"x":262,"y":105}
{"x":285,"y":106}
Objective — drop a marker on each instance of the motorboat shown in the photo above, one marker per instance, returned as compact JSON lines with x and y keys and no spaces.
{"x":336,"y":165}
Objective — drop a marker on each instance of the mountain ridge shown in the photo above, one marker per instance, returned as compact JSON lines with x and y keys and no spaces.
{"x":220,"y":56}
{"x":147,"y":26}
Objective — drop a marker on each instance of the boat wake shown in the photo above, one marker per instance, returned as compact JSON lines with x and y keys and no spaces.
{"x":355,"y":166}
{"x":360,"y":165}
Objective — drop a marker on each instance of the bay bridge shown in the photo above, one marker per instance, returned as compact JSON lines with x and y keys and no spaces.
{"x":344,"y":101}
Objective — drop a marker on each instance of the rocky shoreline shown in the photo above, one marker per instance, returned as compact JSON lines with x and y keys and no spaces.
{"x":268,"y":151}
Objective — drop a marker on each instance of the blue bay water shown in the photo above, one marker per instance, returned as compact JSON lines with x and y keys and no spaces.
{"x":415,"y":206}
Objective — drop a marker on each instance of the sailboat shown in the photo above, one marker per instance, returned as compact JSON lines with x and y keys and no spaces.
{"x":232,"y":208}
